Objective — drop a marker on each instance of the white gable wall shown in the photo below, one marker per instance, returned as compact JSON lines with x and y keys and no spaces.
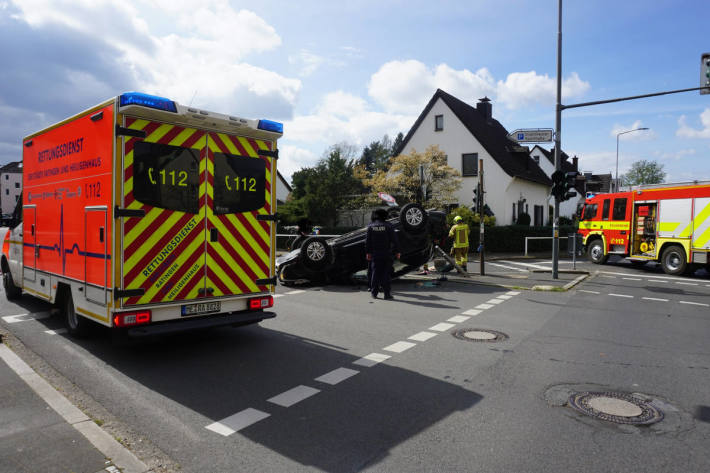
{"x":455,"y":140}
{"x":10,"y":190}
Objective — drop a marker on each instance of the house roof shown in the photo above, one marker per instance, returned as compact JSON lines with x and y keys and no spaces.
{"x":283,"y":181}
{"x":514,"y":159}
{"x":14,"y":167}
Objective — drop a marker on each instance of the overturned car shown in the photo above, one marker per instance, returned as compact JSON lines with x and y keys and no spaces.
{"x":320,"y":260}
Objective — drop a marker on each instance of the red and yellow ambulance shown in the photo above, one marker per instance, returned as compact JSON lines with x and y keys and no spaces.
{"x":146,"y":214}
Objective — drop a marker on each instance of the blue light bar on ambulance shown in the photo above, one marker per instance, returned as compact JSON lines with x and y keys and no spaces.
{"x":268,"y":125}
{"x":145,"y":100}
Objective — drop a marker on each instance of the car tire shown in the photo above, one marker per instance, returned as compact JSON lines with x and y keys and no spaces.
{"x":673,"y":260}
{"x":316,"y":253}
{"x":413,"y":218}
{"x":595,"y":253}
{"x":77,"y":326}
{"x":12,"y":292}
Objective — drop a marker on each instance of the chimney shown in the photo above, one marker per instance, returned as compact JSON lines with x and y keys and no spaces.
{"x":575,"y":163}
{"x":485,"y":108}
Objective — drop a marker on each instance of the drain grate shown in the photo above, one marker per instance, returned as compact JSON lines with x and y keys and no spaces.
{"x":480,"y":335}
{"x":621,"y":408}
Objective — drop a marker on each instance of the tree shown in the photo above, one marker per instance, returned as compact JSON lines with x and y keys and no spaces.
{"x":318,"y":192}
{"x":403,"y":180}
{"x":644,"y":172}
{"x":376,"y":155}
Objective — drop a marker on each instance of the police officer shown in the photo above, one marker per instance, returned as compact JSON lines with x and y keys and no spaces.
{"x":380,"y":242}
{"x":460,"y":233}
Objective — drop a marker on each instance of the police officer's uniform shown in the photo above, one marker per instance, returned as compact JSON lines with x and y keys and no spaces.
{"x":380,"y":242}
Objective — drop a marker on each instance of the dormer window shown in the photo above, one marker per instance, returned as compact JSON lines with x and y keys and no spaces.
{"x":438,"y":123}
{"x":537,"y":159}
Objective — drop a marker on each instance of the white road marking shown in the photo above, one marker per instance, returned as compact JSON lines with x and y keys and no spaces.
{"x":371,"y":360}
{"x":633,"y":279}
{"x":458,"y":319}
{"x":528,"y":265}
{"x":472,"y":312}
{"x":589,"y":292}
{"x":608,"y":277}
{"x":237,"y":422}
{"x":296,"y":291}
{"x":422,"y":336}
{"x":495,"y":301}
{"x":11,"y":319}
{"x":399,"y":347}
{"x":655,"y":299}
{"x":694,"y":303}
{"x":688,"y":283}
{"x":276,"y":296}
{"x":648,"y":276}
{"x":513,"y":293}
{"x":337,"y":375}
{"x":293,"y":396}
{"x":442,"y":327}
{"x":484,"y":306}
{"x":622,"y":295}
{"x":509,"y":267}
{"x":56,"y":332}
{"x":504,"y":297}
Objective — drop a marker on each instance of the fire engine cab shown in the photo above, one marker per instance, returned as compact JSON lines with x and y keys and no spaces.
{"x":144,"y":214}
{"x":666,"y":223}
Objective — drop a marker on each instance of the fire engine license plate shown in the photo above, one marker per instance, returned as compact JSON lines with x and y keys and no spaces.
{"x":201,"y":308}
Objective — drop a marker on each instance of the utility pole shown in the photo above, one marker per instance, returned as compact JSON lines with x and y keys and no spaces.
{"x":482,"y":214}
{"x":558,"y":147}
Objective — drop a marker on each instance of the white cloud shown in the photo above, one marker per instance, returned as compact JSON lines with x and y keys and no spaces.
{"x":293,"y":158}
{"x":307,"y":61}
{"x":675,"y":155}
{"x":523,"y":89}
{"x":641,"y":135}
{"x":686,"y":131}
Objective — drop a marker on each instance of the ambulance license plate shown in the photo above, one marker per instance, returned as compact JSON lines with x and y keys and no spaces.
{"x":200,"y":308}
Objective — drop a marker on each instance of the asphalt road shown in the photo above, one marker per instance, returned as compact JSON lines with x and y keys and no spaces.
{"x":339,"y":382}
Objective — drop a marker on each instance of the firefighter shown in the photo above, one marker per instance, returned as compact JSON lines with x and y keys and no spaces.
{"x":460,"y":246}
{"x":380,"y":243}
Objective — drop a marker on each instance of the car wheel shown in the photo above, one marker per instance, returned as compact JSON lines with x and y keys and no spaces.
{"x":596,"y":252}
{"x":315,"y":253}
{"x":77,"y":326}
{"x":413,"y":218}
{"x":673,"y":260}
{"x":12,"y":292}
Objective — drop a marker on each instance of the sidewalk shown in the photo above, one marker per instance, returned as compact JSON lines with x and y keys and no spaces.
{"x":41,"y":431}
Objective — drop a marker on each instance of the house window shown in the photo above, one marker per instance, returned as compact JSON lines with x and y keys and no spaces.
{"x":7,"y":176}
{"x":619,"y":212}
{"x":438,"y":122}
{"x":469,"y":164}
{"x":514,"y":213}
{"x":17,"y":185}
{"x":538,"y":215}
{"x":17,"y":197}
{"x":536,"y":159}
{"x":7,"y":191}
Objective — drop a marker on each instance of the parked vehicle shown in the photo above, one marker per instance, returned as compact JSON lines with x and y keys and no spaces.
{"x":144,"y":214}
{"x":667,"y":223}
{"x":322,"y":260}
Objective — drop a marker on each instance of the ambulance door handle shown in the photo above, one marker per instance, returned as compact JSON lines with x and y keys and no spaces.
{"x":32,"y":230}
{"x":214,"y":235}
{"x":101,"y":234}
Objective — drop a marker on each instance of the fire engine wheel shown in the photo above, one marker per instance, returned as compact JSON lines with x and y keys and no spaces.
{"x":413,"y":218}
{"x":596,"y":252}
{"x":673,"y":260}
{"x":77,"y":326}
{"x":12,"y":292}
{"x":315,"y":253}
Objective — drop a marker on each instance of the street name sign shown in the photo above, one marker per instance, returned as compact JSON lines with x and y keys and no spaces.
{"x":537,"y":135}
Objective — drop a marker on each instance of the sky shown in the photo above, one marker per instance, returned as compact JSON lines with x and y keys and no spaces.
{"x":352,"y":72}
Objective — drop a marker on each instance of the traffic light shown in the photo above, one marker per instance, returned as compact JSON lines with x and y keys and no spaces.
{"x":567,"y":190}
{"x":476,"y":198}
{"x":705,"y":73}
{"x":558,"y":178}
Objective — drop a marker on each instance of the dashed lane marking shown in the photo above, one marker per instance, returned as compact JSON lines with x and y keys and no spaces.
{"x":458,"y":319}
{"x":657,"y":299}
{"x":336,"y":376}
{"x":688,"y":283}
{"x":442,"y":327}
{"x":237,"y":422}
{"x":622,"y":295}
{"x":484,"y":306}
{"x":512,"y":293}
{"x":399,"y":347}
{"x":504,"y":297}
{"x":371,"y":360}
{"x":588,"y":292}
{"x":423,"y":336}
{"x":633,"y":279}
{"x":295,"y":291}
{"x":495,"y":301}
{"x":695,"y":303}
{"x":472,"y":312}
{"x":509,"y":267}
{"x":293,"y":396}
{"x":527,"y":265}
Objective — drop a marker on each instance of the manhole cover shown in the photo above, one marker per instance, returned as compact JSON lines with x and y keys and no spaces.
{"x":616,"y":407}
{"x":480,"y":335}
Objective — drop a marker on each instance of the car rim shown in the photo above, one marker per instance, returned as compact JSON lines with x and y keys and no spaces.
{"x":596,"y":252}
{"x":315,"y":251}
{"x":414,"y":217}
{"x":673,"y":261}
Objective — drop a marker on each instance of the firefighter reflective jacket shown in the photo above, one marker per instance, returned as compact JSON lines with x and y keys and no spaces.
{"x":460,"y":234}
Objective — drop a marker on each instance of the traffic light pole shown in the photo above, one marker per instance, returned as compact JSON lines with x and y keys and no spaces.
{"x":558,"y":156}
{"x":482,"y":214}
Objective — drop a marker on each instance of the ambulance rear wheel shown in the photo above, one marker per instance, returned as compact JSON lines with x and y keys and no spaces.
{"x":673,"y":260}
{"x":595,"y":253}
{"x":77,"y":326}
{"x":12,"y":292}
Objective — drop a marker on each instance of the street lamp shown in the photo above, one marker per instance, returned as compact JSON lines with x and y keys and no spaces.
{"x":616,"y":177}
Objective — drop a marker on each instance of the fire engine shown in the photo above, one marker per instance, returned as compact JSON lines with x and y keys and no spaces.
{"x":146,"y":215}
{"x":666,"y":223}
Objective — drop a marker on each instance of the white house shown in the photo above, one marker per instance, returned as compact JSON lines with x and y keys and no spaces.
{"x":283,"y":189}
{"x":513,"y":182}
{"x":10,"y":186}
{"x":546,"y":160}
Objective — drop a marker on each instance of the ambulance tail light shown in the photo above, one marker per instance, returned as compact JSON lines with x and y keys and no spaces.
{"x":145,"y":100}
{"x":129,"y":319}
{"x":258,"y":303}
{"x":268,"y":125}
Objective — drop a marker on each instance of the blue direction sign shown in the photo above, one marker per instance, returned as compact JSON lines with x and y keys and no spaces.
{"x":536,"y":135}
